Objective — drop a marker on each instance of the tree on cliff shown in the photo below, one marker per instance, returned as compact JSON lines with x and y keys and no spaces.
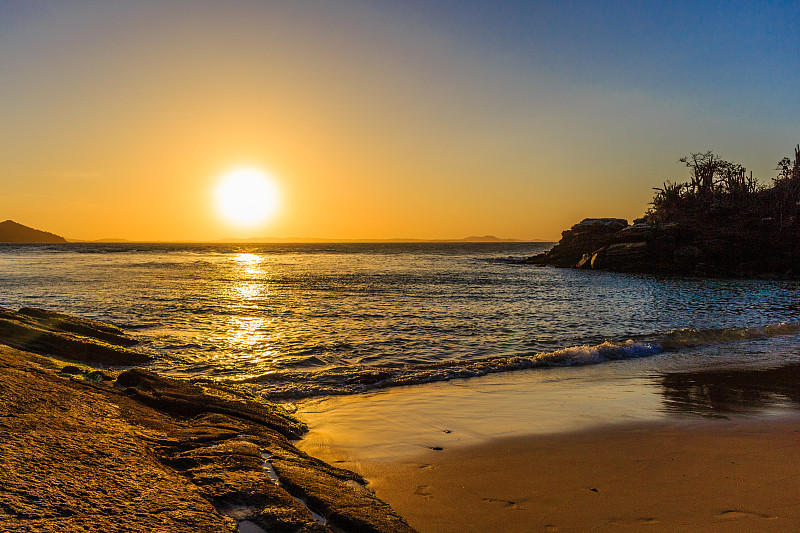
{"x":786,"y":189}
{"x":702,"y":169}
{"x":789,"y":170}
{"x":718,"y":186}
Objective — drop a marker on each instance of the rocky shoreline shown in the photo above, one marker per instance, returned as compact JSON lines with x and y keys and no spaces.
{"x":720,"y":223}
{"x":85,"y":449}
{"x":726,"y":249}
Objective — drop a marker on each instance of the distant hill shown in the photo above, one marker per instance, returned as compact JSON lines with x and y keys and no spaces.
{"x":487,"y":238}
{"x":11,"y":231}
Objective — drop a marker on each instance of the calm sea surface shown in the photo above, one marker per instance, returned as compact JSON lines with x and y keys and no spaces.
{"x":309,"y":319}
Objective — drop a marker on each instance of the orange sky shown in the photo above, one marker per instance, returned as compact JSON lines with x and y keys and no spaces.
{"x":119,"y":118}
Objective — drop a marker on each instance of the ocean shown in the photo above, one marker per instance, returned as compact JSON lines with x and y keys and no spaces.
{"x":299,"y":321}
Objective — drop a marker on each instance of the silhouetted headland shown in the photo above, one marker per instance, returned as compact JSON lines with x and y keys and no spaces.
{"x":11,"y":231}
{"x":721,"y":223}
{"x":96,"y":449}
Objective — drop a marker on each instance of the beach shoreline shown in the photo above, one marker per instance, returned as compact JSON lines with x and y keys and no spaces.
{"x":695,"y":475}
{"x":615,"y":447}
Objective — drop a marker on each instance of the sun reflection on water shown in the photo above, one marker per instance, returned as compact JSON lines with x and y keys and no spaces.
{"x":249,"y":337}
{"x":250,"y":263}
{"x":247,"y":331}
{"x":247,"y":258}
{"x":247,"y":291}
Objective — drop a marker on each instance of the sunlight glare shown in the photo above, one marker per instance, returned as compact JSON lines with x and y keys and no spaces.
{"x":246,"y":197}
{"x":250,"y":259}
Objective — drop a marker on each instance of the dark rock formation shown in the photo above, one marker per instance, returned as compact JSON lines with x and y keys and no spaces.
{"x":586,"y":237}
{"x":11,"y":231}
{"x":722,"y":247}
{"x":77,"y":339}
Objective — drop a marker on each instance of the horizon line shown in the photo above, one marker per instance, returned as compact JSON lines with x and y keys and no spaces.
{"x":305,"y":240}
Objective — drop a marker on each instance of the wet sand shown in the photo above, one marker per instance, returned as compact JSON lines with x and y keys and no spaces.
{"x":594,"y":449}
{"x":697,"y":476}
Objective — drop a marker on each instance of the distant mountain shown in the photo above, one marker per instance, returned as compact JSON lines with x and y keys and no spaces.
{"x":11,"y":231}
{"x":486,"y":238}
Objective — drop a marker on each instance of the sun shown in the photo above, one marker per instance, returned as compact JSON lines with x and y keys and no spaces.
{"x":246,"y":197}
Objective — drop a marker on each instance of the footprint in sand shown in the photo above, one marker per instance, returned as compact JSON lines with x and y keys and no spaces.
{"x":735,"y":514}
{"x":423,"y":490}
{"x":504,"y":503}
{"x":635,"y":522}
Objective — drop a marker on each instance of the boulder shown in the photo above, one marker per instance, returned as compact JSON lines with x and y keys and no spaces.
{"x":636,"y":233}
{"x":585,"y":237}
{"x":686,"y":257}
{"x":622,"y":257}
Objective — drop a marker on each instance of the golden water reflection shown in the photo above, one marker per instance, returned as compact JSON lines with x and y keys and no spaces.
{"x":252,"y":283}
{"x":247,"y":291}
{"x":249,"y":338}
{"x":247,"y":258}
{"x":249,"y":263}
{"x":247,"y":331}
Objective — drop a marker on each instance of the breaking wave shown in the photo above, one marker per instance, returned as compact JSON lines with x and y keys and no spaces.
{"x":294,"y":385}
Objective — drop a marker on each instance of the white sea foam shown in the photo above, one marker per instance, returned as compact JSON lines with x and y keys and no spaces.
{"x":349,"y":380}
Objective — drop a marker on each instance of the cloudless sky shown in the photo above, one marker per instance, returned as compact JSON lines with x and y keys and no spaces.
{"x":380,"y":119}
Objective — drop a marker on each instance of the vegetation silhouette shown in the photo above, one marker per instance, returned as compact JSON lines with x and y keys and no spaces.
{"x":722,"y":222}
{"x":717,"y":186}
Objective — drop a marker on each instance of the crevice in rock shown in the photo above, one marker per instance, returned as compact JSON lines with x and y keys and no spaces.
{"x":275,"y":479}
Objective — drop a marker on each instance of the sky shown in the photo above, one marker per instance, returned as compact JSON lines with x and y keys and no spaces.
{"x":380,"y":119}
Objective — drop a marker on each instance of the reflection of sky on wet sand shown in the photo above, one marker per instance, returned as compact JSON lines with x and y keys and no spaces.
{"x":397,"y":423}
{"x":400,"y":422}
{"x":722,"y":393}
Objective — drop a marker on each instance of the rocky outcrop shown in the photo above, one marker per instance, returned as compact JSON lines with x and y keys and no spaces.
{"x":77,"y":339}
{"x":725,"y":248}
{"x":11,"y":231}
{"x":587,"y":236}
{"x":89,"y":450}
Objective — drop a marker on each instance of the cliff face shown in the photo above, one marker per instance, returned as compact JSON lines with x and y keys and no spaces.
{"x":731,"y":245}
{"x":11,"y":231}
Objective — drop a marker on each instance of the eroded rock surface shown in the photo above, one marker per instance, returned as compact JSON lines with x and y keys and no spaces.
{"x":67,"y":337}
{"x":82,"y":450}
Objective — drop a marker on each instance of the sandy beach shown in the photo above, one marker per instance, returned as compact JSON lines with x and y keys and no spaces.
{"x":428,"y":451}
{"x":704,"y":476}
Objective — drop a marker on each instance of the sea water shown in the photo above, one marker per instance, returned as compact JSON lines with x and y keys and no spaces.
{"x":294,"y":321}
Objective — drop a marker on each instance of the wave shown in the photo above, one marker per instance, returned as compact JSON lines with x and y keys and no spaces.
{"x":689,"y":338}
{"x":294,"y":385}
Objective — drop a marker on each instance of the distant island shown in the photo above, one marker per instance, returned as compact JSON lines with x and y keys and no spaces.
{"x":720,"y":223}
{"x":11,"y":231}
